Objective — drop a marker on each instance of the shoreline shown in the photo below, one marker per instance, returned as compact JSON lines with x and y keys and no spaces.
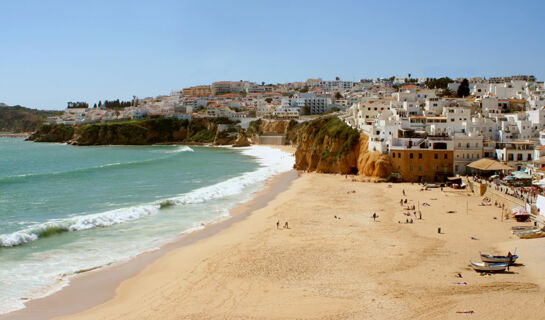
{"x":347,"y":268}
{"x":15,"y":134}
{"x":104,"y":280}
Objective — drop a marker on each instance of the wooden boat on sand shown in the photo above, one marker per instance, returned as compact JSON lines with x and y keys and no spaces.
{"x":488,"y":267}
{"x":510,"y":259}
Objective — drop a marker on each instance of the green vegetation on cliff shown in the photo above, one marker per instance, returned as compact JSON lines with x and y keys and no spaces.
{"x":52,"y":133}
{"x":21,"y":119}
{"x":332,"y":128}
{"x":327,"y":145}
{"x":135,"y":132}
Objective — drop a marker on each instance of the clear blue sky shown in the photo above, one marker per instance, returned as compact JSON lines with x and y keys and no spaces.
{"x":52,"y":52}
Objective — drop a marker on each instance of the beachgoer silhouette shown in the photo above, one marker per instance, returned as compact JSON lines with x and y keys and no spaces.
{"x":286,"y":225}
{"x":278,"y":224}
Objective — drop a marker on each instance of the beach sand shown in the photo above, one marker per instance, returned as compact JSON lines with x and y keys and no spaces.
{"x":321,"y":267}
{"x":347,"y":268}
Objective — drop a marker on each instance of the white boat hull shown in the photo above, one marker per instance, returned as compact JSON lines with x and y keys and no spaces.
{"x":488,"y":267}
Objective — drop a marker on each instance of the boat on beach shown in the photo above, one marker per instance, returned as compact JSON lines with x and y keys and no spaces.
{"x":528,"y":232}
{"x":532,"y":235}
{"x":510,"y":259}
{"x":488,"y":267}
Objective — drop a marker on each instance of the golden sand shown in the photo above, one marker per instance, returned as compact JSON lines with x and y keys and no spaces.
{"x":347,"y":268}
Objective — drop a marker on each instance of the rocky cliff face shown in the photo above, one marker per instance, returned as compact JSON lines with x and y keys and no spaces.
{"x":141,"y":132}
{"x":328,"y":145}
{"x":372,"y":164}
{"x":52,"y":133}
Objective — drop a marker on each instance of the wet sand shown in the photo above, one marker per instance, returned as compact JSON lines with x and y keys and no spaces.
{"x":347,"y":268}
{"x":93,"y":288}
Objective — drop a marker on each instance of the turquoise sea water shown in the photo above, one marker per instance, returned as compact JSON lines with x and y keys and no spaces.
{"x":64,"y":209}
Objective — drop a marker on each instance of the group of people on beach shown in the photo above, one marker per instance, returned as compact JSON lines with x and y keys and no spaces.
{"x":409,"y":208}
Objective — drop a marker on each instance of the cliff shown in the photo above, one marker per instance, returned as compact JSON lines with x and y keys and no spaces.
{"x":21,"y":119}
{"x":328,"y":145}
{"x":52,"y":133}
{"x":140,"y":132}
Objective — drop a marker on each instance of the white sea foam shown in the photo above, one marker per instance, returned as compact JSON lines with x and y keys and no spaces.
{"x":177,"y":150}
{"x":272,"y":161}
{"x":78,"y":223}
{"x":45,"y":272}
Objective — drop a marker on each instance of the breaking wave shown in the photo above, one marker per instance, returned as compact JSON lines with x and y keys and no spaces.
{"x":272,"y":162}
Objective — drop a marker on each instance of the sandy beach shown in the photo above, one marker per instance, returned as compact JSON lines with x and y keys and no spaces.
{"x":346,"y":268}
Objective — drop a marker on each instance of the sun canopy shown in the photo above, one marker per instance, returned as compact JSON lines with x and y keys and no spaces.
{"x":540,"y":183}
{"x":488,"y":165}
{"x":521,"y":175}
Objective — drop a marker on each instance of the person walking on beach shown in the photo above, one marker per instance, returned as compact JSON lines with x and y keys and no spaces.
{"x":278,"y":224}
{"x":286,"y":225}
{"x":374,"y":216}
{"x":403,"y":192}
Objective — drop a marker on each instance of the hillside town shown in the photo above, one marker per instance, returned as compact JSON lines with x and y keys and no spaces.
{"x":430,"y":128}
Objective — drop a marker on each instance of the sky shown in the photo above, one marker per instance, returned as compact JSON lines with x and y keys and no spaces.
{"x":54,"y":51}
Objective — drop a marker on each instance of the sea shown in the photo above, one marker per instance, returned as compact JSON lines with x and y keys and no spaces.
{"x":66,"y":209}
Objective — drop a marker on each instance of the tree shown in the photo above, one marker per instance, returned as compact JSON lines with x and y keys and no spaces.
{"x":77,"y":104}
{"x":95,"y":106}
{"x":262,"y":83}
{"x":269,"y":100}
{"x":337,"y":78}
{"x":445,"y":93}
{"x":305,"y":109}
{"x":304,"y":89}
{"x":338,"y":96}
{"x":440,"y":83}
{"x":463,"y":89}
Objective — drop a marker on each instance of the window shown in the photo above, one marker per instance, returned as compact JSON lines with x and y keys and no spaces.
{"x":446,"y":156}
{"x":529,"y":156}
{"x":419,"y":168}
{"x":510,"y":157}
{"x":393,"y":154}
{"x":519,"y":156}
{"x":420,"y":156}
{"x":411,"y":155}
{"x":436,"y":156}
{"x":399,"y":155}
